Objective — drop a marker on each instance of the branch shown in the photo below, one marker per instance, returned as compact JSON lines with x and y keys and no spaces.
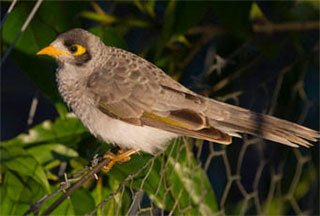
{"x":290,"y":26}
{"x":95,"y":167}
{"x":88,"y":176}
{"x":221,"y":84}
{"x":63,"y":186}
{"x":260,"y":28}
{"x":208,"y":33}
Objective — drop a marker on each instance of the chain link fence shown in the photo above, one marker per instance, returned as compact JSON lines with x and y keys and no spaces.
{"x":193,"y":177}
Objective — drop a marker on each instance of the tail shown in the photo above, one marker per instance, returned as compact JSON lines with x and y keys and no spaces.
{"x":234,"y":120}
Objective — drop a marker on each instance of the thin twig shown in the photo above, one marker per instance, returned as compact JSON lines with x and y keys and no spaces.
{"x":88,"y":176}
{"x":261,"y":28}
{"x":33,"y":109}
{"x":23,"y":28}
{"x":235,"y":75}
{"x":278,"y":87}
{"x":63,"y":186}
{"x":8,"y":12}
{"x":290,"y":26}
{"x":206,"y":37}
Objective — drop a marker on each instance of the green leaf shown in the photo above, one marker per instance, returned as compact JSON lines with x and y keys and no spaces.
{"x":308,"y":178}
{"x":47,"y":152}
{"x":235,"y":16}
{"x":304,"y":11}
{"x":17,"y":192}
{"x":16,"y":159}
{"x":189,"y":181}
{"x":131,"y":22}
{"x":192,"y":180}
{"x":56,"y":13}
{"x":275,"y":207}
{"x":167,"y":29}
{"x":82,"y":202}
{"x":65,"y":208}
{"x":178,"y":18}
{"x":102,"y":191}
{"x":79,"y":203}
{"x":69,"y":130}
{"x":77,"y":164}
{"x":147,"y":6}
{"x":110,"y":36}
{"x":180,"y":38}
{"x":61,"y":109}
{"x":169,"y":20}
{"x":106,"y":18}
{"x":255,"y":12}
{"x":188,"y":14}
{"x":99,"y":193}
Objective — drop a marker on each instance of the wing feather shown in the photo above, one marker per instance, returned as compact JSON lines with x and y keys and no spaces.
{"x":141,"y":97}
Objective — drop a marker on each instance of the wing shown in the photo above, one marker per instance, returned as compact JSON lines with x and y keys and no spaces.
{"x":133,"y":90}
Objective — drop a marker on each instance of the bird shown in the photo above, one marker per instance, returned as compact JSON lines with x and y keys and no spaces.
{"x":126,"y":100}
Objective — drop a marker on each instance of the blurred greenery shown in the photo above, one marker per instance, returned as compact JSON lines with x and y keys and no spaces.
{"x":177,"y":36}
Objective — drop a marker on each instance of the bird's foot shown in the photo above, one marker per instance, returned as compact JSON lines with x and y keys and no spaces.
{"x":121,"y":157}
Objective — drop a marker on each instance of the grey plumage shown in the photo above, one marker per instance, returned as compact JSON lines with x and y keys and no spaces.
{"x":125,"y":99}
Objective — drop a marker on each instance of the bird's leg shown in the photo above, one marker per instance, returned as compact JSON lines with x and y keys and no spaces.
{"x":121,"y":157}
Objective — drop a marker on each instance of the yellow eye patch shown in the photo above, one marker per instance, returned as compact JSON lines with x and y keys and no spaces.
{"x":77,"y":49}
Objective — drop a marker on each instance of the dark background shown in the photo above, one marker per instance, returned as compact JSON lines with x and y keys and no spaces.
{"x":270,"y":70}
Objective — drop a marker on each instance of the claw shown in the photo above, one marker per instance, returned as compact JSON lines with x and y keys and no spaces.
{"x":121,"y":157}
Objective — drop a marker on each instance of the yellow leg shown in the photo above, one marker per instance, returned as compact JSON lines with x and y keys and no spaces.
{"x":121,"y":157}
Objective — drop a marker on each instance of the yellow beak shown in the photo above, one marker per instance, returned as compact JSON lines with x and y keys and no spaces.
{"x":52,"y":51}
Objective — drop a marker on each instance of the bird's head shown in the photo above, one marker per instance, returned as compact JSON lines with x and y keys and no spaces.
{"x":77,"y":47}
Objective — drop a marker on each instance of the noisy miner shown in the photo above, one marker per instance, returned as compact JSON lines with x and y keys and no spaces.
{"x":128,"y":101}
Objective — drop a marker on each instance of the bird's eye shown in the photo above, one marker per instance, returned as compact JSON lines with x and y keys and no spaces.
{"x":77,"y":49}
{"x":73,"y":49}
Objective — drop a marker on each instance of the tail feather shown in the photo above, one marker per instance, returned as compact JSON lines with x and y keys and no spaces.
{"x":241,"y":120}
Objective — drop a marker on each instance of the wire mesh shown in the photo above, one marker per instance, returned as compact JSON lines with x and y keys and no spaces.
{"x":266,"y":185}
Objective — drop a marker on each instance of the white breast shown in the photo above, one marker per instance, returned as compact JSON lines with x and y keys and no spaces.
{"x":127,"y":136}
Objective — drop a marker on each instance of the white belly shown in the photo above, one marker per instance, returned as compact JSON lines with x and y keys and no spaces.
{"x":126,"y":136}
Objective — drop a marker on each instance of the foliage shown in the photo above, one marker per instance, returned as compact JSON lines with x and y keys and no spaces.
{"x":174,"y":35}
